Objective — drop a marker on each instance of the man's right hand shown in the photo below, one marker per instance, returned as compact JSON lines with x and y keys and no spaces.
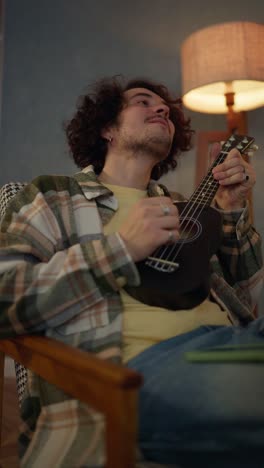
{"x":151,"y":222}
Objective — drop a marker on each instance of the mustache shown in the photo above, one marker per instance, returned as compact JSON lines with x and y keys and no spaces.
{"x":157,"y":118}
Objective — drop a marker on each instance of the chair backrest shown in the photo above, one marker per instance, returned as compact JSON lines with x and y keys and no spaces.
{"x":7,"y":192}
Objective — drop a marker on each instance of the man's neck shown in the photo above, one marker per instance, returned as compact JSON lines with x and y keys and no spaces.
{"x":128,"y":172}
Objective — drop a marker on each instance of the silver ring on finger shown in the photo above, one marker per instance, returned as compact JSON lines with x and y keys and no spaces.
{"x":246,"y":177}
{"x":165,"y":209}
{"x":171,"y":236}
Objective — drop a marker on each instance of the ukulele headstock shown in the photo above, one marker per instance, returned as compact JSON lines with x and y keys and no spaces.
{"x":243,"y":143}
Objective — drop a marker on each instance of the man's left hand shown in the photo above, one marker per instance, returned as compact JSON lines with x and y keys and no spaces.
{"x":236,"y":178}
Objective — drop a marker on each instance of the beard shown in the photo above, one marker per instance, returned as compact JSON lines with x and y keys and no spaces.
{"x":156,"y":147}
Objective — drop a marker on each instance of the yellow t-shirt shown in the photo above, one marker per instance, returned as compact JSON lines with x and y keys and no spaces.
{"x":145,"y":325}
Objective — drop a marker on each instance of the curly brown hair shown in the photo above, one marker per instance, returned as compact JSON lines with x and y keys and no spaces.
{"x":100,"y":108}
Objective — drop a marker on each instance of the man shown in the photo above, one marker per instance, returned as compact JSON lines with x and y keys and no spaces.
{"x":69,"y":248}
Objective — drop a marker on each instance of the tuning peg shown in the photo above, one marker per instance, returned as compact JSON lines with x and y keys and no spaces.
{"x":251,"y":150}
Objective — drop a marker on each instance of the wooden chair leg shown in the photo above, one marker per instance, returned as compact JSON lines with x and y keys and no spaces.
{"x":121,"y":431}
{"x":2,"y":377}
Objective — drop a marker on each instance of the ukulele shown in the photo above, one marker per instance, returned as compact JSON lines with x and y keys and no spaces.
{"x":176,"y":276}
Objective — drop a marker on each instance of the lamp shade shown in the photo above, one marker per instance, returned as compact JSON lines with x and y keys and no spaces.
{"x":223,"y":58}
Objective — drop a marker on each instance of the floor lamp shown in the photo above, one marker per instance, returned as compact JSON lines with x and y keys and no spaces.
{"x":223,"y":73}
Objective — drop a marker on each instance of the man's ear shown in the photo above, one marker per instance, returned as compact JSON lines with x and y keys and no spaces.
{"x":106,"y":134}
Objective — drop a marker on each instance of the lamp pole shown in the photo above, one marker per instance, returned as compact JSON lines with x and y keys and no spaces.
{"x":236,"y":121}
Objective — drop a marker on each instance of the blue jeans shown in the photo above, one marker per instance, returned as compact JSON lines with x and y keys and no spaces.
{"x":191,"y":413}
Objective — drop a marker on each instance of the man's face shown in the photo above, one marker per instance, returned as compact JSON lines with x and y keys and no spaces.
{"x":144,"y":124}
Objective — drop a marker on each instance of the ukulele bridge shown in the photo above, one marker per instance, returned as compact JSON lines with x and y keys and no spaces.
{"x":165,"y":266}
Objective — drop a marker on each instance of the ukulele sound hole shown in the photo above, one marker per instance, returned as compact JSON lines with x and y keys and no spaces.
{"x":190,"y":229}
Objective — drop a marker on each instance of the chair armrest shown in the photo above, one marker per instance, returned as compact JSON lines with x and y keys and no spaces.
{"x":109,"y":388}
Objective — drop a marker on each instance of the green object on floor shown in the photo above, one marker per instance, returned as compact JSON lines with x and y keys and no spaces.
{"x":234,"y":353}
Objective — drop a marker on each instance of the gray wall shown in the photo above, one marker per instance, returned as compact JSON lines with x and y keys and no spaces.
{"x":54,"y":48}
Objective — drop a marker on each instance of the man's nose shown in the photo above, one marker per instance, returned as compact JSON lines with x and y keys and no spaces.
{"x":162,"y":109}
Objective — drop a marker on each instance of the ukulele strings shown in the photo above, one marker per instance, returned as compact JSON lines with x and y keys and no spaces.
{"x":199,"y":206}
{"x":186,"y":218}
{"x":209,"y":191}
{"x":221,"y":157}
{"x":161,"y":251}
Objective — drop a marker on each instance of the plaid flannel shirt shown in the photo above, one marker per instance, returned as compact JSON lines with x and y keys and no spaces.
{"x":60,"y":276}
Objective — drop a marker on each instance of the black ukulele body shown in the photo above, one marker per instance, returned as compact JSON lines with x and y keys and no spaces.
{"x":189,"y":283}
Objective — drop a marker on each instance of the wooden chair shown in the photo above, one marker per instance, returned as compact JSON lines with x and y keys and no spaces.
{"x":109,"y":388}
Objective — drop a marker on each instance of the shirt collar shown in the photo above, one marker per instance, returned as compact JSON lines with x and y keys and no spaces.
{"x":93,"y":188}
{"x":90,"y":185}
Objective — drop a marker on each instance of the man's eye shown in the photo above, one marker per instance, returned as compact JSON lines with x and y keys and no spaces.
{"x":144,"y":102}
